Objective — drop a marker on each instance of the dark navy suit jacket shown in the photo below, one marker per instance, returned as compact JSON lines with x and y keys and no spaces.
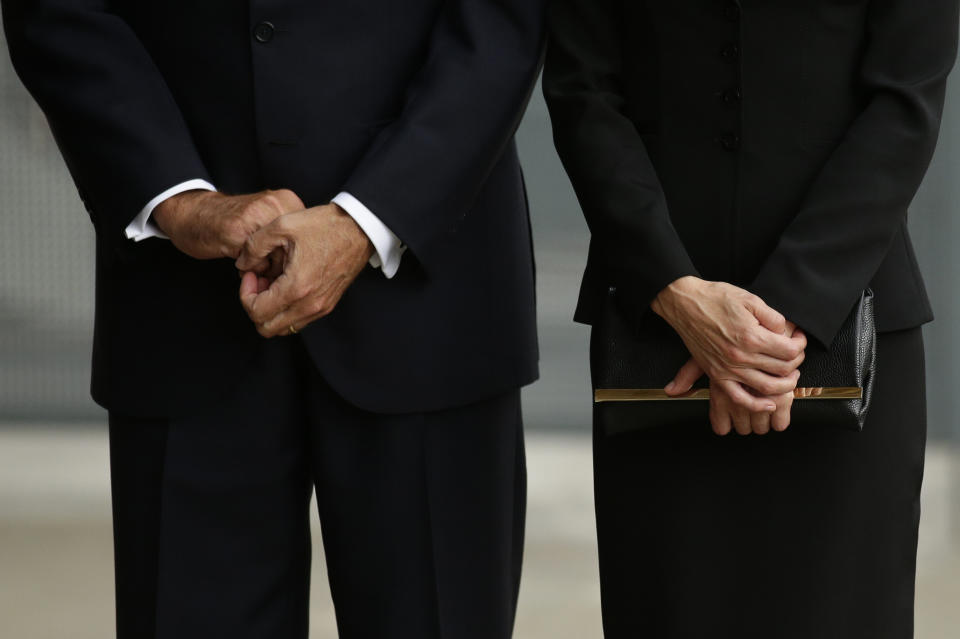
{"x":410,"y":106}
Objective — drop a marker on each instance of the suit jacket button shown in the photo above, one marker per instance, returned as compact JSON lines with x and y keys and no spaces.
{"x":263,"y":32}
{"x":732,"y":96}
{"x":730,"y":53}
{"x":730,"y":141}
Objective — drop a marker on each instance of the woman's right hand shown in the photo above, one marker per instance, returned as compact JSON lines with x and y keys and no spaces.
{"x":735,"y":338}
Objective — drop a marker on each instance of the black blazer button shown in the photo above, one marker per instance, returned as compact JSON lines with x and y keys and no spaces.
{"x":730,"y":141}
{"x":732,"y":96}
{"x":263,"y":32}
{"x":730,"y":53}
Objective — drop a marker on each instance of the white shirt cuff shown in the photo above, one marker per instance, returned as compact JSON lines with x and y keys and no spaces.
{"x":142,"y":228}
{"x":389,"y":249}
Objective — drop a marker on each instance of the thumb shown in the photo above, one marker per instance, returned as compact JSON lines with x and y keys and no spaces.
{"x":686,"y":377}
{"x":249,"y":289}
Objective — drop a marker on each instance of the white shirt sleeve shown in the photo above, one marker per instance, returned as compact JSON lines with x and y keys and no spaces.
{"x":142,"y":228}
{"x":388,"y":247}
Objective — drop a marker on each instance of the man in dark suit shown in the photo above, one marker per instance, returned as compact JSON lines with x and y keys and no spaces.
{"x":377,"y":210}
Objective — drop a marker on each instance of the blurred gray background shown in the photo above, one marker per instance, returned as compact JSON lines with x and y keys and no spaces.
{"x":55,"y":572}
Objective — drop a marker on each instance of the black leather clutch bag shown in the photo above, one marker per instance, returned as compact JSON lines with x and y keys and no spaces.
{"x":632,"y":363}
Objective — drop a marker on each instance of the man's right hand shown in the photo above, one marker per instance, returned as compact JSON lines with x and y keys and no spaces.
{"x":207,"y":225}
{"x":735,"y":338}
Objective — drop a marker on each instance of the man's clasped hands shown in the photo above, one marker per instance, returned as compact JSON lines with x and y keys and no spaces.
{"x":297,"y":262}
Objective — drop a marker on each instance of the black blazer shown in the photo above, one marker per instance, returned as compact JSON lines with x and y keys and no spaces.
{"x":410,"y":106}
{"x":774,"y":144}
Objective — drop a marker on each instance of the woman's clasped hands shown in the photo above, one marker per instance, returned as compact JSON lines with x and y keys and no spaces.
{"x":750,"y":352}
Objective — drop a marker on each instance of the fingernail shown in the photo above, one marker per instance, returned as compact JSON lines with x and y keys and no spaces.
{"x":670,"y":387}
{"x":771,"y":408}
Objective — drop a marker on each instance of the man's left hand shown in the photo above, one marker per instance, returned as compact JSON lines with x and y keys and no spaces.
{"x":323,"y":251}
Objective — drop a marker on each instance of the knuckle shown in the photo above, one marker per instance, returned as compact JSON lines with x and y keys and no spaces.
{"x":737,"y":356}
{"x":292,"y":199}
{"x":270,"y":200}
{"x":282,"y":224}
{"x":764,"y":387}
{"x":300,"y":290}
{"x":769,"y":388}
{"x":782,"y":369}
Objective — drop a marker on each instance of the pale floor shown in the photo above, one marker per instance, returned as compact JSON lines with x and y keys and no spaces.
{"x":55,"y":541}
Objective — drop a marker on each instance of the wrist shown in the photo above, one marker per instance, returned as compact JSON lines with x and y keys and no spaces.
{"x":668,"y":300}
{"x":362,"y":238}
{"x":168,"y":214}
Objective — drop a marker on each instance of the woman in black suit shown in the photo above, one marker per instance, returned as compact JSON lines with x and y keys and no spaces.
{"x":745,"y":168}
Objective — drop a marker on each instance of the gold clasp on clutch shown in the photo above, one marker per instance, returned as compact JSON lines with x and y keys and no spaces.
{"x":601,"y":395}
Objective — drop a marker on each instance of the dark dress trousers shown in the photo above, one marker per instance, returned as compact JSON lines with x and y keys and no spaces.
{"x":776,"y":145}
{"x":401,"y":407}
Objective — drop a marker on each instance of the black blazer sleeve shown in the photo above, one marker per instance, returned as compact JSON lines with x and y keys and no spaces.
{"x":462,"y":109}
{"x":113,"y":117}
{"x":835,"y":244}
{"x":611,"y":172}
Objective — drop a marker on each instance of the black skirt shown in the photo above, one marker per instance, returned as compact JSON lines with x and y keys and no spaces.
{"x":810,"y":533}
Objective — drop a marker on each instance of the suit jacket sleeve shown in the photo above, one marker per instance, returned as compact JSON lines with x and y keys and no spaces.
{"x":462,"y":109}
{"x":116,"y":123}
{"x":835,"y":244}
{"x":615,"y":181}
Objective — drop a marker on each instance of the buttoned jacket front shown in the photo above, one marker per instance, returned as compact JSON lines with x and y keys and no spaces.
{"x":774,"y":144}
